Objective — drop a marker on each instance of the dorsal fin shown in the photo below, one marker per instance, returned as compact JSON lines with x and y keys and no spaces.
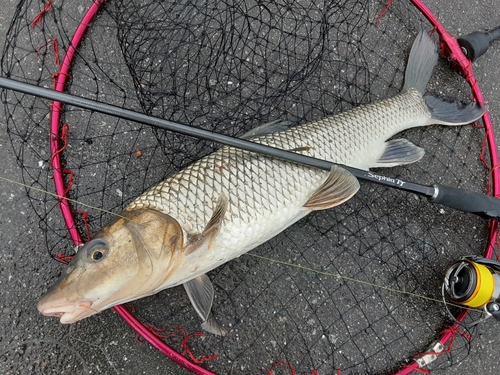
{"x":421,"y":62}
{"x":267,"y":128}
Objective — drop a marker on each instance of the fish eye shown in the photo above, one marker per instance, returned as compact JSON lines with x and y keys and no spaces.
{"x":96,"y":250}
{"x":96,"y":255}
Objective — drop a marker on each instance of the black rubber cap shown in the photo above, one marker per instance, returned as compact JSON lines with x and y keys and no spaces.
{"x":476,"y":44}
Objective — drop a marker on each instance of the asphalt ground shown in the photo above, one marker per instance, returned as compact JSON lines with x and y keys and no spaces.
{"x":31,"y":343}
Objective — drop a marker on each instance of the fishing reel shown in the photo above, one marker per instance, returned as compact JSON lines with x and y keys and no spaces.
{"x":475,"y":282}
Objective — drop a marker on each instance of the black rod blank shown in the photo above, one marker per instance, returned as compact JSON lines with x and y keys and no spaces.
{"x":485,"y":206}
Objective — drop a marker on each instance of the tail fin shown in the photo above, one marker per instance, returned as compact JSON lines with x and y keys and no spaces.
{"x":423,"y":58}
{"x":446,"y":111}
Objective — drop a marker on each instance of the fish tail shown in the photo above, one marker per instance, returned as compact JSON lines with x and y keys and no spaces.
{"x":453,"y":112}
{"x":423,"y":58}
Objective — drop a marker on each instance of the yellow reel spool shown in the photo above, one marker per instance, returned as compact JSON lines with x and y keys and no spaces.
{"x":485,"y":285}
{"x":471,"y":283}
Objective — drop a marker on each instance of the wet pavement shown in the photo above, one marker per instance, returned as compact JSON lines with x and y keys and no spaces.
{"x":32,"y":344}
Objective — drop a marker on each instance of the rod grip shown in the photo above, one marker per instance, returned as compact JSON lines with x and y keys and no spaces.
{"x":467,"y":201}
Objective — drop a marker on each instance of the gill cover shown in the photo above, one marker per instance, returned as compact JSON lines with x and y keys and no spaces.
{"x":129,"y":258}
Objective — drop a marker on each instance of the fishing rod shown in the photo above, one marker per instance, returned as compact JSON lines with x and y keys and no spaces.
{"x":459,"y":199}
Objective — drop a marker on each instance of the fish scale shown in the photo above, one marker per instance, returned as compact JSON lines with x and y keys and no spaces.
{"x":258,"y":186}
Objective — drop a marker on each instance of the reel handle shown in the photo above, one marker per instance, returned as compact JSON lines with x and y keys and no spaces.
{"x":467,"y":201}
{"x":493,"y":308}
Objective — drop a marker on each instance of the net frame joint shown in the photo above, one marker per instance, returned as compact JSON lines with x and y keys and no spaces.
{"x":431,"y":355}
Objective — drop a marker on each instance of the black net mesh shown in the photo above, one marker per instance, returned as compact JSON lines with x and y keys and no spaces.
{"x":341,"y":289}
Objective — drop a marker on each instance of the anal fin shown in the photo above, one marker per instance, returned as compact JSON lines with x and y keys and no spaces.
{"x":399,"y":152}
{"x":339,"y":187}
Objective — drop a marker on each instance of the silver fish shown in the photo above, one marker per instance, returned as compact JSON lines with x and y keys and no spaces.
{"x":231,"y":201}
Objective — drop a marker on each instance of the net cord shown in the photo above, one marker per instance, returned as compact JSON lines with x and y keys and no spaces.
{"x":455,"y":54}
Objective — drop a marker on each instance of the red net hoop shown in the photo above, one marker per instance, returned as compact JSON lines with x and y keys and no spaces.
{"x":266,"y":90}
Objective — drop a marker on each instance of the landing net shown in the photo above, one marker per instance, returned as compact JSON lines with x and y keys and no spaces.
{"x":352,"y":289}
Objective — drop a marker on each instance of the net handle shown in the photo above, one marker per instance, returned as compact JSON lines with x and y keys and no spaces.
{"x":67,"y":213}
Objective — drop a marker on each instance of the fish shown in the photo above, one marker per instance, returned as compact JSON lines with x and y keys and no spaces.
{"x":231,"y":201}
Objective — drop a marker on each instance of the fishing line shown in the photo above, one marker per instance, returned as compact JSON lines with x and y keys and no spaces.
{"x":228,"y":68}
{"x":271,"y":260}
{"x":318,"y":272}
{"x":61,"y":198}
{"x":338,"y":275}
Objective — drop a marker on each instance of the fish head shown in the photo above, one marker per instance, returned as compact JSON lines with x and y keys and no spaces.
{"x":131,"y":257}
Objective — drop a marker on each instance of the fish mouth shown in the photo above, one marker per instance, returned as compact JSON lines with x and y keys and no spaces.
{"x":69,"y":313}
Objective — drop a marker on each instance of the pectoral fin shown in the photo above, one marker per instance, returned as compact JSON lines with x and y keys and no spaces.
{"x":213,"y":326}
{"x":215,"y":221}
{"x":399,"y":152}
{"x":203,"y":241}
{"x":339,"y":187}
{"x":201,"y":294}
